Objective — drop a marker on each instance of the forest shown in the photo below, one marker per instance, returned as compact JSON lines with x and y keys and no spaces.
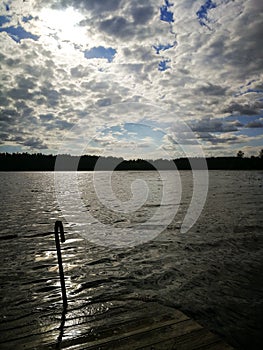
{"x":43,"y":162}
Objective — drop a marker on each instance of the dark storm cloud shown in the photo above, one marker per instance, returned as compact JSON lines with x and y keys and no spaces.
{"x":120,"y":27}
{"x":20,"y":93}
{"x":237,"y":123}
{"x":14,"y":125}
{"x":69,"y":92}
{"x":56,"y":124}
{"x":98,"y":6}
{"x":34,"y":143}
{"x":52,"y":96}
{"x":12,"y":62}
{"x":8,"y":115}
{"x":4,"y":101}
{"x":95,"y":5}
{"x":25,"y":87}
{"x":22,"y":107}
{"x":212,"y":125}
{"x":63,"y":124}
{"x":142,"y":14}
{"x":213,"y":90}
{"x":245,"y":109}
{"x":181,"y":138}
{"x":214,"y":140}
{"x":255,"y":124}
{"x":26,"y":112}
{"x":3,"y":136}
{"x":25,"y":83}
{"x":47,"y":117}
{"x":104,"y":102}
{"x":45,"y":94}
{"x":18,"y":139}
{"x":117,"y":26}
{"x":40,"y":101}
{"x":50,"y":122}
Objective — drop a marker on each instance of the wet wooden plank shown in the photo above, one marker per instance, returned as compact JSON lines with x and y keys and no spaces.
{"x":182,"y":335}
{"x":145,"y":336}
{"x":144,"y":326}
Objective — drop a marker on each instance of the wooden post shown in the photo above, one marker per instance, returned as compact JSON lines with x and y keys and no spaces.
{"x":59,"y":227}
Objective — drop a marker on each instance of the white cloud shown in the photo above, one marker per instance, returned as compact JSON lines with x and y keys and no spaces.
{"x":213,"y":73}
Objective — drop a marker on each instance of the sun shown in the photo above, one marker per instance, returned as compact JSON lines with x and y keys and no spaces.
{"x":62,"y":25}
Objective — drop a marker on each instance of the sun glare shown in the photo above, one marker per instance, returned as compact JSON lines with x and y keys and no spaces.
{"x":62,"y":25}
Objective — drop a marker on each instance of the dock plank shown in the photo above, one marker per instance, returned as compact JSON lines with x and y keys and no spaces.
{"x":138,"y":325}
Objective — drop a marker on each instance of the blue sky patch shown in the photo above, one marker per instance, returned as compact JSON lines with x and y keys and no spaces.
{"x":243,"y":119}
{"x":134,"y":132}
{"x":248,"y":91}
{"x":27,"y":19}
{"x":161,"y":47}
{"x":18,"y":33}
{"x":165,"y":14}
{"x":250,"y":82}
{"x":250,"y":132}
{"x":203,"y":11}
{"x":100,"y":52}
{"x":4,"y":19}
{"x":163,"y":65}
{"x":141,"y":131}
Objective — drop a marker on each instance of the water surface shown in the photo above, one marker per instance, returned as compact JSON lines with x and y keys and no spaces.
{"x":213,"y":272}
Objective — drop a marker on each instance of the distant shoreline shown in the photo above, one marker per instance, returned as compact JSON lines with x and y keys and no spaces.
{"x":42,"y":162}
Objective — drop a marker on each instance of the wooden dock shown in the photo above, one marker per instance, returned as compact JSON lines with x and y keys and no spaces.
{"x":143,"y":325}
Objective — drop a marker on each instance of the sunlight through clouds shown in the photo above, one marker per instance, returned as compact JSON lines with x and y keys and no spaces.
{"x":201,"y":61}
{"x":63,"y":27}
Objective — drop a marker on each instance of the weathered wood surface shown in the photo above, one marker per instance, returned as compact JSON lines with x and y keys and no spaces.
{"x":147,"y":326}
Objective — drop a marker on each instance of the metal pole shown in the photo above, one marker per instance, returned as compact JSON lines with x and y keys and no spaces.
{"x":59,"y":229}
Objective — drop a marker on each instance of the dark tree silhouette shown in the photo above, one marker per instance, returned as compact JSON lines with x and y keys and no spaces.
{"x":42,"y":162}
{"x":240,"y":154}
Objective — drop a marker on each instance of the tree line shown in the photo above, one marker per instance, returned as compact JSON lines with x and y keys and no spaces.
{"x":42,"y":162}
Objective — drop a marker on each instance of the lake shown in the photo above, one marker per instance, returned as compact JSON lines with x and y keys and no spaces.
{"x":213,"y":272}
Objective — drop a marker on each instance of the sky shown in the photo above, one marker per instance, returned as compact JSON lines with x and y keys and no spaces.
{"x":132,"y":77}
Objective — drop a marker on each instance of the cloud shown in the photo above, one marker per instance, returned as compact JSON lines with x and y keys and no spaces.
{"x":123,"y":51}
{"x":142,"y":14}
{"x":213,"y":125}
{"x":117,"y":26}
{"x":255,"y":124}
{"x":217,"y":139}
{"x":245,"y":109}
{"x":213,"y":90}
{"x":104,"y":102}
{"x":34,"y":143}
{"x":94,"y":5}
{"x":47,"y":117}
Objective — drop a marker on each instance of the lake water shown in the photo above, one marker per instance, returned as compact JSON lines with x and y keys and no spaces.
{"x":213,"y":272}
